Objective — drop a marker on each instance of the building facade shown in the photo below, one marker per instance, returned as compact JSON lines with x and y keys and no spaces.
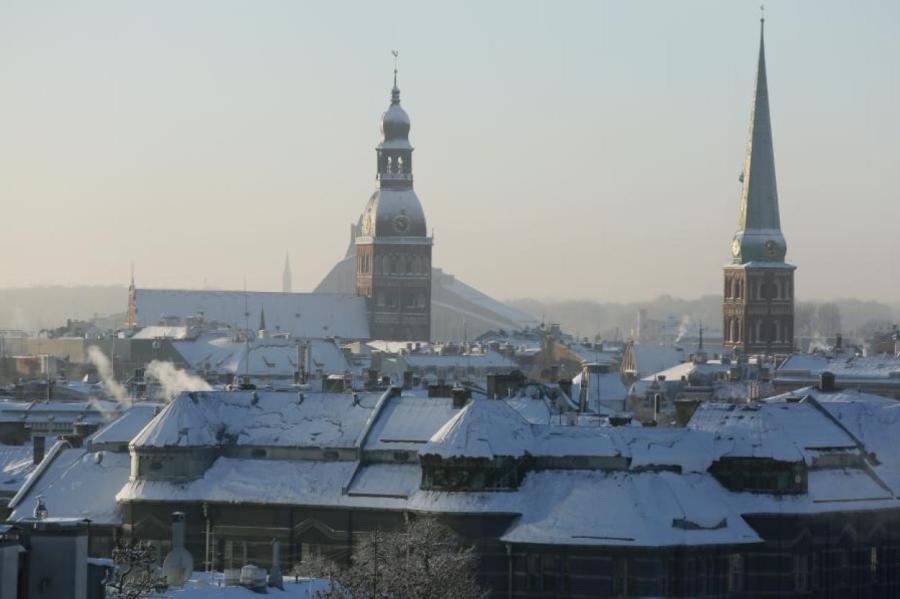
{"x":758,"y":306}
{"x":393,"y":249}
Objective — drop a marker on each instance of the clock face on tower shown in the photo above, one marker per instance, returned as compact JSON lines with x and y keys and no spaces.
{"x":401,"y":223}
{"x":735,"y":247}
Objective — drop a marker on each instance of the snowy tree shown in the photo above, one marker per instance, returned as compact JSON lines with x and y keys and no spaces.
{"x":135,"y":574}
{"x":422,"y":560}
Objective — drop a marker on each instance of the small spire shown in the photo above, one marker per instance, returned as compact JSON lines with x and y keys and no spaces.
{"x":395,"y":91}
{"x":262,"y":319}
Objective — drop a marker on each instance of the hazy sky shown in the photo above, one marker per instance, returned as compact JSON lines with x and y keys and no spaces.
{"x":563,"y":149}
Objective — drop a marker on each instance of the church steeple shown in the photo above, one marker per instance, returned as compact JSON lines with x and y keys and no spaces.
{"x":759,"y":236}
{"x":395,"y":152}
{"x":758,"y":301}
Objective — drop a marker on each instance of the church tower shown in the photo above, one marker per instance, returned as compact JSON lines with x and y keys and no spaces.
{"x":758,"y":304}
{"x":393,"y":250}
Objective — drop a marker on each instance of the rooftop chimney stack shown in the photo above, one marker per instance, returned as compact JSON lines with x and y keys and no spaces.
{"x":275,"y":578}
{"x":179,"y":564}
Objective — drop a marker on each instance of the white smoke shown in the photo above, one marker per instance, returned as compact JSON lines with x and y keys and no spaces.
{"x":111,"y":386}
{"x":683,"y":328}
{"x":173,"y":380}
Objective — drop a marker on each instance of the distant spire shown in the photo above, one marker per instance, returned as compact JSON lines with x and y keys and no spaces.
{"x":286,"y":279}
{"x":262,"y":319}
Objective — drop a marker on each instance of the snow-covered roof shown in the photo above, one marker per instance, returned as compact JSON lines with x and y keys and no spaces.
{"x":408,"y":422}
{"x":844,"y":368}
{"x":788,"y":431}
{"x":488,"y":359}
{"x":161,"y":332}
{"x":604,"y":389}
{"x":267,"y":357}
{"x":686,"y":369}
{"x":315,"y":315}
{"x":127,"y":426}
{"x":215,"y":418}
{"x":210,"y":585}
{"x":647,"y":509}
{"x":16,"y":464}
{"x":655,"y":358}
{"x":483,"y":429}
{"x":77,"y":484}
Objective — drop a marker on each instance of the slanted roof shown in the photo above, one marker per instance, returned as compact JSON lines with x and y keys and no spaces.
{"x":641,"y":510}
{"x":78,"y":484}
{"x":788,"y":431}
{"x":483,"y":429}
{"x":209,"y":419}
{"x":315,"y":315}
{"x":16,"y":463}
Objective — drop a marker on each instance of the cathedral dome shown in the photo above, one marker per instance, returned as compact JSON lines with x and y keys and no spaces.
{"x":393,"y":213}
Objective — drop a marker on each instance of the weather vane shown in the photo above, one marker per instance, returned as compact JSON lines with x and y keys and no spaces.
{"x":396,"y":54}
{"x":762,"y":12}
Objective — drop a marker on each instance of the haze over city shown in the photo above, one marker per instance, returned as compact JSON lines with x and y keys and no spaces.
{"x":565,"y":150}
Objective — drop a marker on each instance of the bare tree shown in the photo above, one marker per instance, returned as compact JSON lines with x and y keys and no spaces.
{"x":135,"y":574}
{"x":422,"y":560}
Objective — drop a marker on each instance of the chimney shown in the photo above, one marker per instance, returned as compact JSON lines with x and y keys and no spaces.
{"x":275,"y":578}
{"x":491,"y":386}
{"x":460,"y":397}
{"x":39,"y":445}
{"x":178,"y":565}
{"x":826,"y":382}
{"x":838,"y":342}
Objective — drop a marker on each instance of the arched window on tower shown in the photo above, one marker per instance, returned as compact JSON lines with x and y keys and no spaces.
{"x":776,"y":331}
{"x":759,"y":331}
{"x":732,"y":332}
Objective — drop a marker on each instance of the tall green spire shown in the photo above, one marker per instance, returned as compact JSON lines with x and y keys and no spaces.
{"x":759,"y":237}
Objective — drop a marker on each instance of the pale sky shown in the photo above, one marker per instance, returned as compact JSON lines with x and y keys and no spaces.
{"x":563,"y":149}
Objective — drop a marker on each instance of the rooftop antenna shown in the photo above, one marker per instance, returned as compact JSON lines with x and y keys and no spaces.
{"x":246,"y":332}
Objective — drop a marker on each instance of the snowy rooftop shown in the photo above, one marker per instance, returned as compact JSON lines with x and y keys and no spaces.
{"x":77,"y":483}
{"x":845,"y":367}
{"x":655,"y":358}
{"x":258,"y":357}
{"x":208,"y":419}
{"x":15,"y":466}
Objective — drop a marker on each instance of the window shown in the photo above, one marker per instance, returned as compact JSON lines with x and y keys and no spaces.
{"x":801,"y":573}
{"x":735,"y":572}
